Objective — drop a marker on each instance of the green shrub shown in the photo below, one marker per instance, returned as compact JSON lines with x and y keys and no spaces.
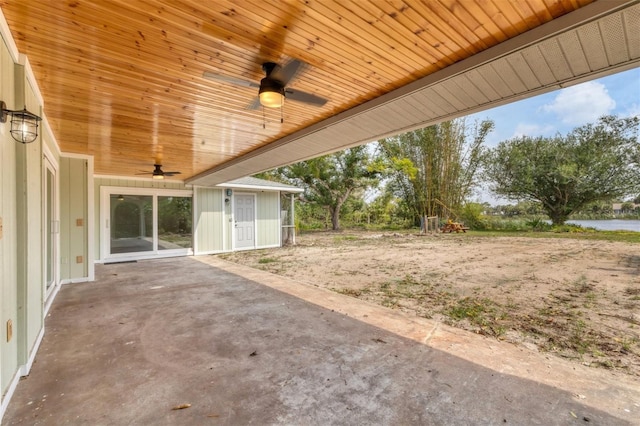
{"x":538,"y":224}
{"x":571,"y":228}
{"x":472,"y":216}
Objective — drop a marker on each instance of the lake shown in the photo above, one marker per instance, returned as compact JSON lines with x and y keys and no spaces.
{"x":609,"y":225}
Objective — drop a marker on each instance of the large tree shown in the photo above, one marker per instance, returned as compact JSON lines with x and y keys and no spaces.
{"x":435,"y":169}
{"x":330,"y":180}
{"x":595,"y":162}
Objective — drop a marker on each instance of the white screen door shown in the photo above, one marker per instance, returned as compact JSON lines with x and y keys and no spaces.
{"x":245,"y":221}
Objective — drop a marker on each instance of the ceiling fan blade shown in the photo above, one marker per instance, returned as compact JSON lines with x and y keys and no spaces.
{"x":255,"y":103}
{"x":144,"y":173}
{"x":307,"y":98}
{"x":172,"y":173}
{"x":289,"y":71}
{"x":227,"y":79}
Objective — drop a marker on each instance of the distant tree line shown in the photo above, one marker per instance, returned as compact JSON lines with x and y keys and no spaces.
{"x":436,"y":171}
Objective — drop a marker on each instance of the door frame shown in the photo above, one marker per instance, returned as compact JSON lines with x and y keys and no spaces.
{"x":49,"y":163}
{"x":255,"y":221}
{"x":105,"y":225}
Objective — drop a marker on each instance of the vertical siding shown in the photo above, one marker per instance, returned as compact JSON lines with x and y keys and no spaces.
{"x":209,"y":220}
{"x":268,"y":219}
{"x":21,"y":246}
{"x":31,"y":290}
{"x":8,"y":242}
{"x":73,"y":218}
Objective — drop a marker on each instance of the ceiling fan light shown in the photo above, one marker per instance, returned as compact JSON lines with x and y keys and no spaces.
{"x":157,"y":176}
{"x":271,"y":99}
{"x":271,"y":93}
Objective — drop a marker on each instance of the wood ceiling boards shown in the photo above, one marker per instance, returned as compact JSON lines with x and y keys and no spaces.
{"x":122,"y":80}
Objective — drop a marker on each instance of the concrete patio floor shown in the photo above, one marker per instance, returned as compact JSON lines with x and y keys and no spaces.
{"x":243,"y":346}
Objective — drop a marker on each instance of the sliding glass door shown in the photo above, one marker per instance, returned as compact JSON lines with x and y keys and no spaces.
{"x":174,"y":222}
{"x":145,"y":223}
{"x":131,"y":223}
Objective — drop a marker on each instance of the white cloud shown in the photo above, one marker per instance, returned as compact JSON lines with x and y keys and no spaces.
{"x":533,"y":130}
{"x":581,"y":104}
{"x":632,"y":111}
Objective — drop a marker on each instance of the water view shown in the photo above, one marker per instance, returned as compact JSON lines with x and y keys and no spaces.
{"x":609,"y":225}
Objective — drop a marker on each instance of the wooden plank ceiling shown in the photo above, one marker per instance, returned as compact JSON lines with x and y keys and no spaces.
{"x":122,"y":80}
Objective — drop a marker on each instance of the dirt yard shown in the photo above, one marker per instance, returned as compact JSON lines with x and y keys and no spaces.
{"x":576,"y":299}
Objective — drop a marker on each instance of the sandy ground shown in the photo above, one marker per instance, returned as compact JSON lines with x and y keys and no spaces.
{"x":577,"y":299}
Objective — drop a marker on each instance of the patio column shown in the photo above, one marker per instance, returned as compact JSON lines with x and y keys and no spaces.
{"x":293,"y":220}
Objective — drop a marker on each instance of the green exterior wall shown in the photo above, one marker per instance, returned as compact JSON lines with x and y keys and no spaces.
{"x":209,"y":232}
{"x":74,"y":239}
{"x":268,"y":219}
{"x":21,"y":244}
{"x":8,"y":242}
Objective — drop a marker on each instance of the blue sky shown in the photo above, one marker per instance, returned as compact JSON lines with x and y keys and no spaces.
{"x":563,"y":110}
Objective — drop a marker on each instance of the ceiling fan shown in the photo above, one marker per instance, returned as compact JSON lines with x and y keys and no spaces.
{"x":273,"y":88}
{"x":158,"y":173}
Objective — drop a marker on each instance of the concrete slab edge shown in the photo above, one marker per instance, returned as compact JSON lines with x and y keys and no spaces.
{"x":612,"y":392}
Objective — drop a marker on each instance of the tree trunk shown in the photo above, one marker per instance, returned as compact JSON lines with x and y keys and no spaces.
{"x":558,"y":218}
{"x":335,"y":219}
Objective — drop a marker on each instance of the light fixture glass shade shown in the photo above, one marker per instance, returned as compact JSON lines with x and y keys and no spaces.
{"x":24,"y":125}
{"x":271,"y":99}
{"x":158,"y":176}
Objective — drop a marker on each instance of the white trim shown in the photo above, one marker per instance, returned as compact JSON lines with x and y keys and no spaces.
{"x":11,"y":44}
{"x":225,"y":220}
{"x":74,"y":155}
{"x":194,"y":223}
{"x":203,"y":253}
{"x":46,"y":128}
{"x":259,"y":187}
{"x":26,"y":368}
{"x":31,"y":79}
{"x":265,"y":247}
{"x":49,"y":160}
{"x":76,"y":280}
{"x":51,"y":298}
{"x":91,"y":270}
{"x":23,"y":370}
{"x":9,"y":394}
{"x":279,"y":220}
{"x":146,"y":256}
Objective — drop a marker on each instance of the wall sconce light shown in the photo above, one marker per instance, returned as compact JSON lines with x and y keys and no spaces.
{"x":24,"y":125}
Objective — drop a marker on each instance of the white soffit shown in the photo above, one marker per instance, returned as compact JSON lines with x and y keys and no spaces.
{"x":599,"y":39}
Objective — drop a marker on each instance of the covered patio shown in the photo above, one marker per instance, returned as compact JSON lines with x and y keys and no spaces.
{"x":242,"y":346}
{"x":161,"y":99}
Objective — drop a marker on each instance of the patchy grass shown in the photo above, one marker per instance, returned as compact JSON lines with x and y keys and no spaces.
{"x":620,"y":236}
{"x":265,"y":260}
{"x":480,"y":312}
